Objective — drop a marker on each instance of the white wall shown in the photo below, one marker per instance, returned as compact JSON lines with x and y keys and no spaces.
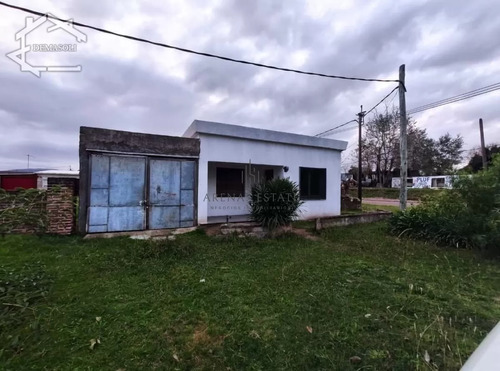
{"x":237,"y":150}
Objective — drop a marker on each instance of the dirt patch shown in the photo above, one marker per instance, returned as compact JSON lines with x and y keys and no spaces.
{"x":211,"y":229}
{"x":305,"y":234}
{"x":202,"y":338}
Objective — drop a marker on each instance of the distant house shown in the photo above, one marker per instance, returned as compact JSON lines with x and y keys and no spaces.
{"x":35,"y":178}
{"x":437,"y":181}
{"x":134,"y":181}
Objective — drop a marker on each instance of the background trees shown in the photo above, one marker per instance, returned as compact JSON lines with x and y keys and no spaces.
{"x":426,"y":156}
{"x":476,"y":161}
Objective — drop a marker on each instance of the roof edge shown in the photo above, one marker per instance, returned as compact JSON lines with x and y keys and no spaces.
{"x":266,"y":135}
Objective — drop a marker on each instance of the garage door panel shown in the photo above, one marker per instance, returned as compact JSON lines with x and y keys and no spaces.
{"x":187,"y":175}
{"x":127,"y":180}
{"x":126,"y":218}
{"x":187,"y":213}
{"x":98,"y":216}
{"x":99,"y":197}
{"x":98,"y":228}
{"x":100,"y":171}
{"x":163,"y":217}
{"x":164,"y":180}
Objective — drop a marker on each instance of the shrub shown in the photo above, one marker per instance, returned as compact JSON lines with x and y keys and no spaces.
{"x":275,"y":203}
{"x":466,"y":216}
{"x":23,"y":209}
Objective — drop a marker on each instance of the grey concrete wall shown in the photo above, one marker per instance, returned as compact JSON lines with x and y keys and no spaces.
{"x":344,"y":220}
{"x":109,"y":141}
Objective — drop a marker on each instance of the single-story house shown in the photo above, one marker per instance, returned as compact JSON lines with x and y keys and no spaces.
{"x":34,"y":178}
{"x":233,"y":158}
{"x":135,"y":181}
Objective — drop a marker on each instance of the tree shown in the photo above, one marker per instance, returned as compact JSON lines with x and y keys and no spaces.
{"x":476,"y":161}
{"x":381,"y":153}
{"x":448,"y":153}
{"x":421,"y":152}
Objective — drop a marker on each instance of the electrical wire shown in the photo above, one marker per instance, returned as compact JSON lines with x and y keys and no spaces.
{"x":456,"y":98}
{"x":384,"y":98}
{"x":348,"y":122}
{"x":335,"y":128}
{"x":185,"y":50}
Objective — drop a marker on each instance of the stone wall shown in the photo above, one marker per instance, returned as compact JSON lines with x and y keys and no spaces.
{"x":343,"y":220}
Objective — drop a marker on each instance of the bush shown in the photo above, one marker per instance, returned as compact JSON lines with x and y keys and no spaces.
{"x":23,"y":209}
{"x":275,"y":203}
{"x":466,"y":216}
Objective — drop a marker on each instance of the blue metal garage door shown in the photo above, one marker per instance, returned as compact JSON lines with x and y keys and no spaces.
{"x":126,"y":197}
{"x":171,"y":194}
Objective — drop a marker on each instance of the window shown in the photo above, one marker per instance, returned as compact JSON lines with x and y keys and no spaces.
{"x":269,"y":175}
{"x":312,"y":183}
{"x":230,"y":182}
{"x":437,"y":183}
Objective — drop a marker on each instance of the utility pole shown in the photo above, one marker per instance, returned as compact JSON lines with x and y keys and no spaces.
{"x":360,"y":171}
{"x":403,"y":139}
{"x":29,"y":160}
{"x":483,"y":148}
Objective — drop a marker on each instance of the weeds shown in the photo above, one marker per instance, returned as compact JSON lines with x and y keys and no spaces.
{"x":20,"y":291}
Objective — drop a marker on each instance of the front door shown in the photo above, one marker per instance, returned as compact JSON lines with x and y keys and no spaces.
{"x":135,"y":193}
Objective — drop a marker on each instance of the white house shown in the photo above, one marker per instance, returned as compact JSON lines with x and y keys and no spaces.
{"x":435,"y":181}
{"x":233,"y":158}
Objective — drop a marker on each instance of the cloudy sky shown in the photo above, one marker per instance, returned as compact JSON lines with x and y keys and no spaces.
{"x":448,"y":48}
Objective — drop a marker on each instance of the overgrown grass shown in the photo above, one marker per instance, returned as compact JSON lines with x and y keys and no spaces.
{"x":208,"y":303}
{"x":393,"y":193}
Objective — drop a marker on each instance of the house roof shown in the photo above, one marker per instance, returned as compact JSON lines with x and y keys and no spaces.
{"x":41,"y":171}
{"x":64,"y":173}
{"x":22,"y":171}
{"x":236,"y":131}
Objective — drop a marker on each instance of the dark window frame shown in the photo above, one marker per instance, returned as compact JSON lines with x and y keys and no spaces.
{"x":234,"y":187}
{"x":308,"y":176}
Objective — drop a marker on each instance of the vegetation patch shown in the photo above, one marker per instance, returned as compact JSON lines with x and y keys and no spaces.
{"x":466,"y":216}
{"x":21,"y":289}
{"x":23,"y":210}
{"x":354,"y":298}
{"x":275,"y":203}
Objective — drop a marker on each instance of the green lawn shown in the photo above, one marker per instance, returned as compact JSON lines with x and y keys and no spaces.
{"x":284,"y":304}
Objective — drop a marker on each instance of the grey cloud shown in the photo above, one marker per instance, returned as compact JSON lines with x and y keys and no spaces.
{"x":129,"y":95}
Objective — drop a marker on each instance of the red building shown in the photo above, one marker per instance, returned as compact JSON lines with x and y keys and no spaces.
{"x":10,"y":180}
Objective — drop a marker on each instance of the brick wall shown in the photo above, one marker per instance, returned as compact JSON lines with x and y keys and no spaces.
{"x":60,"y":206}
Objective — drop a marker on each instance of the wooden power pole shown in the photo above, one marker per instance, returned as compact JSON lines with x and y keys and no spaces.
{"x":360,"y":171}
{"x":483,"y":147}
{"x":403,"y":139}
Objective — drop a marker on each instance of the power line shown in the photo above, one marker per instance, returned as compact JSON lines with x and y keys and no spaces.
{"x":479,"y":90}
{"x":456,"y":98}
{"x":185,"y":50}
{"x":384,"y":98}
{"x":335,"y":128}
{"x":348,"y":122}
